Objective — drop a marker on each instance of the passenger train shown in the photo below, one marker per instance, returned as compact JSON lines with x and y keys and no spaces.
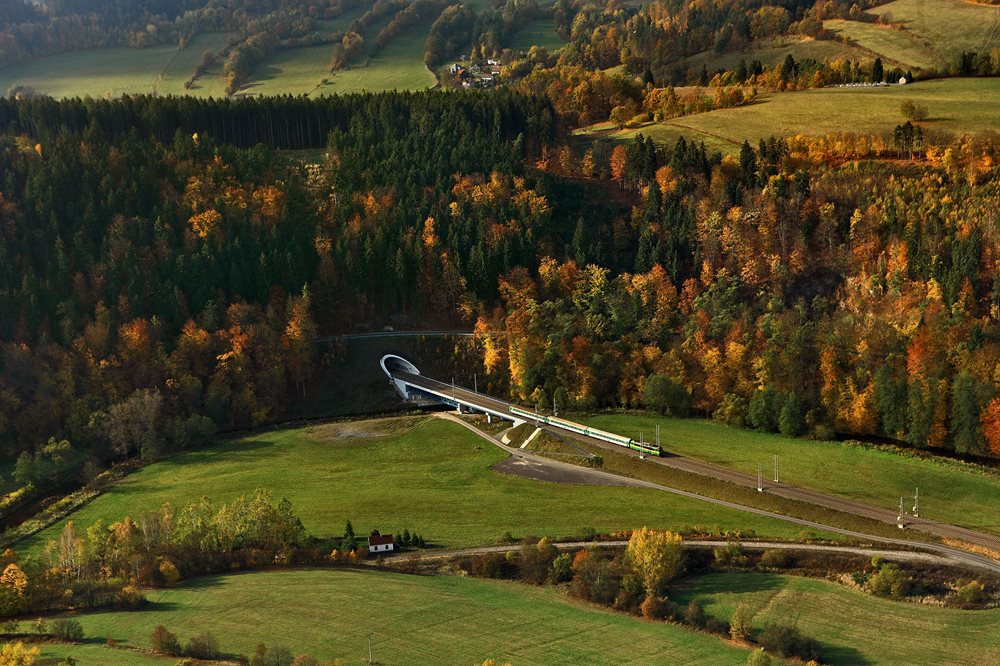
{"x":555,"y":422}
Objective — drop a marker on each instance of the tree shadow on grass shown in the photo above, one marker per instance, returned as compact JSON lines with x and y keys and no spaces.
{"x":842,"y":654}
{"x":232,"y":450}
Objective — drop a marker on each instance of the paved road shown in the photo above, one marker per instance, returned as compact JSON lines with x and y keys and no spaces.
{"x":941,"y":530}
{"x":891,"y":555}
{"x":601,"y":477}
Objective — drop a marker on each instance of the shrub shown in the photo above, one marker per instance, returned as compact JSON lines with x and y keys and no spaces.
{"x":716,"y":626}
{"x":786,"y":641}
{"x":68,"y":630}
{"x":654,"y":607}
{"x":889,"y":581}
{"x":739,"y":628}
{"x":561,"y":569}
{"x":967,"y":595}
{"x":626,"y":601}
{"x":732,"y":411}
{"x":279,"y":655}
{"x":694,"y":614}
{"x":491,"y":565}
{"x":776,"y":559}
{"x":164,"y":641}
{"x":758,"y":658}
{"x":169,"y":572}
{"x":305,"y":660}
{"x":203,"y":646}
{"x":730,"y":555}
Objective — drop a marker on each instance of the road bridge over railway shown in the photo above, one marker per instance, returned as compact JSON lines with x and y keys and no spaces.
{"x":412,"y":386}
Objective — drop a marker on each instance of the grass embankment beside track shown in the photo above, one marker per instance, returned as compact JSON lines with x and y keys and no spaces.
{"x":434,"y":478}
{"x":950,"y":491}
{"x":413,"y":620}
{"x":842,"y":620}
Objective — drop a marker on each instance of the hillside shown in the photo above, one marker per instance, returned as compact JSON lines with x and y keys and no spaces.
{"x":954,"y":105}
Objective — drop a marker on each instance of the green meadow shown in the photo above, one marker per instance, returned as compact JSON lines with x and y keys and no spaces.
{"x":955,"y":105}
{"x":538,"y":32}
{"x":950,"y":491}
{"x":844,"y":620}
{"x":434,"y":478}
{"x":412,"y":620}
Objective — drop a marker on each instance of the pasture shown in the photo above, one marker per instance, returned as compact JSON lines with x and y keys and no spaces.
{"x":950,"y":491}
{"x":842,"y":619}
{"x":954,"y":105}
{"x":895,"y":46}
{"x":773,"y":52}
{"x":537,"y":33}
{"x":413,"y":620}
{"x":947,"y":27}
{"x":423,"y":474}
{"x":109,"y":72}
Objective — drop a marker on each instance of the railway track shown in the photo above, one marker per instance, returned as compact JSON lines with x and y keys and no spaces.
{"x":795,"y":493}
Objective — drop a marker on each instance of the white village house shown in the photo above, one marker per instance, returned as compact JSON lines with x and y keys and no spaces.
{"x":378,"y":543}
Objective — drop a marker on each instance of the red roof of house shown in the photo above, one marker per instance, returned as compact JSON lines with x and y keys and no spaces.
{"x":381,"y":540}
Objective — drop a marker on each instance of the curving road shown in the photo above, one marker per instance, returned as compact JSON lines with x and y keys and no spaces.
{"x":891,"y":555}
{"x":601,"y":477}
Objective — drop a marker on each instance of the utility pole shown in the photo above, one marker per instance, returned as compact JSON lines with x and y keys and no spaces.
{"x":555,"y":412}
{"x":657,"y":435}
{"x":370,"y":660}
{"x":899,"y":518}
{"x":775,"y":469}
{"x":641,"y":444}
{"x":760,"y":478}
{"x":916,"y":502}
{"x":454,"y":395}
{"x":475,"y":383}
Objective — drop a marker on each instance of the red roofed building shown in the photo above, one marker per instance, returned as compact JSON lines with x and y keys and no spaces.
{"x":381,"y":544}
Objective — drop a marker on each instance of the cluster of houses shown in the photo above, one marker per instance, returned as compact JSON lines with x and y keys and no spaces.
{"x":485,"y":74}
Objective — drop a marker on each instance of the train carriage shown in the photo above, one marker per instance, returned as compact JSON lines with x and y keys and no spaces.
{"x":556,"y":422}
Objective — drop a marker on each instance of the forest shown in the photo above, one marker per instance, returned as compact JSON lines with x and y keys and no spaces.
{"x":172,"y":264}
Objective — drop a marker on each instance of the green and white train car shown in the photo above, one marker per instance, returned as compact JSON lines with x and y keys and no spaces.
{"x":555,"y":422}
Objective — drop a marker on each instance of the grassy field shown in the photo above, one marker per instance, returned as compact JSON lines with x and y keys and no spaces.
{"x":398,"y":66}
{"x":947,"y":27}
{"x":95,"y":654}
{"x":435,"y":479}
{"x":843,"y":620}
{"x":538,"y":32}
{"x":901,"y":46}
{"x":414,"y":620}
{"x":949,"y":491}
{"x":182,"y":64}
{"x":164,"y":69}
{"x":957,"y":105}
{"x":772,"y":52}
{"x":97,"y":72}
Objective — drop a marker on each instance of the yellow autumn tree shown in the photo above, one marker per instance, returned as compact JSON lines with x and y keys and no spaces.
{"x":14,"y":579}
{"x":17,"y":654}
{"x":655,"y":556}
{"x":205,"y":223}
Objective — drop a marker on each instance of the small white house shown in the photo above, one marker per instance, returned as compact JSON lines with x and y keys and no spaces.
{"x":378,"y":543}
